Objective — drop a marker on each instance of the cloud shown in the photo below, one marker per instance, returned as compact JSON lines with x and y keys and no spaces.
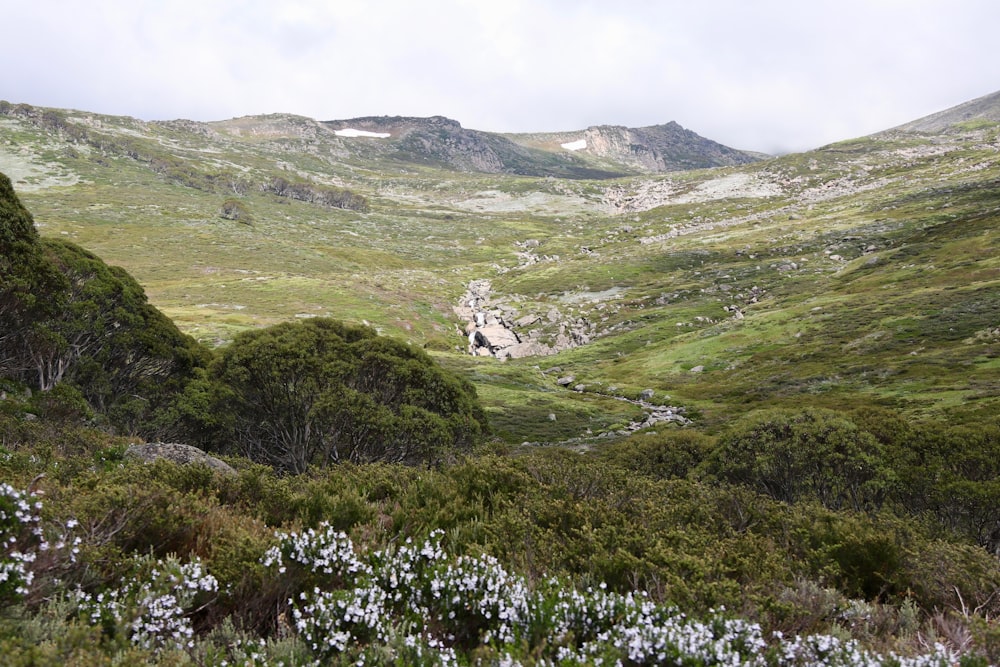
{"x":769,"y":75}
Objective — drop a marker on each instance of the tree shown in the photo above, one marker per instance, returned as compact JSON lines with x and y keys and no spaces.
{"x":67,"y":317}
{"x":28,"y":281}
{"x":321,"y":391}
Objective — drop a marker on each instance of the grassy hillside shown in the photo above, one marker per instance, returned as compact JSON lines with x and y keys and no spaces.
{"x":863,"y":271}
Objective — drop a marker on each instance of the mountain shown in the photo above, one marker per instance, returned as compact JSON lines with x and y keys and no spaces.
{"x":658,"y":148}
{"x":609,"y":151}
{"x":980,"y":111}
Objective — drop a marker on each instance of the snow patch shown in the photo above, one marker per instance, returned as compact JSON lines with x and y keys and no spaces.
{"x":580,"y":144}
{"x":351,"y":132}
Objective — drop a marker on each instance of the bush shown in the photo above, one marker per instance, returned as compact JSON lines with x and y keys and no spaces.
{"x":234,"y":209}
{"x":322,"y":392}
{"x":813,"y":454}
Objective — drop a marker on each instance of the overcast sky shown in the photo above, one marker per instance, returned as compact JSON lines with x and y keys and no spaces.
{"x":767,"y":75}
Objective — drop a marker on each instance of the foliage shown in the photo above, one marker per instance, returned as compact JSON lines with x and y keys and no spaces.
{"x":234,"y":209}
{"x":419,"y":605}
{"x":28,"y":282}
{"x":791,"y":456}
{"x":153,"y":607}
{"x":320,"y":392}
{"x":16,"y":223}
{"x":416,"y":600}
{"x":797,"y":568}
{"x":20,"y":540}
{"x":72,"y":318}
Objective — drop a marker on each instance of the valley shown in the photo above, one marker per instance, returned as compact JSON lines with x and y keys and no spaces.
{"x":861,"y":271}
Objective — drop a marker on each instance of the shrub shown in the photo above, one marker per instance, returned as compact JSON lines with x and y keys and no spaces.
{"x":813,"y":454}
{"x":321,"y":392}
{"x":234,"y":209}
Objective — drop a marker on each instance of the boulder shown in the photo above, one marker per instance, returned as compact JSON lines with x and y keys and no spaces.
{"x":498,"y":336}
{"x":531,"y":348}
{"x":178,"y":453}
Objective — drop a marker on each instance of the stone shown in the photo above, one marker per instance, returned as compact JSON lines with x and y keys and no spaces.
{"x":647,"y":394}
{"x":530,"y":348}
{"x":178,"y":453}
{"x":498,"y":336}
{"x":697,"y":369}
{"x":565,"y":381}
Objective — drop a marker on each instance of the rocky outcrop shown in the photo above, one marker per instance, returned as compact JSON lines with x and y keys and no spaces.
{"x":444,"y":142}
{"x":495,"y":328}
{"x":651,"y":149}
{"x":605,"y":151}
{"x":655,"y":414}
{"x":178,"y":453}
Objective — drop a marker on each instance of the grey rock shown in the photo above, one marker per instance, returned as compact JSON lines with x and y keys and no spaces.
{"x":499,"y":336}
{"x":178,"y":453}
{"x":530,"y":348}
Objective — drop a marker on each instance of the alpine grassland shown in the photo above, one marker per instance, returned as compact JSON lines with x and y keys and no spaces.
{"x":470,"y":399}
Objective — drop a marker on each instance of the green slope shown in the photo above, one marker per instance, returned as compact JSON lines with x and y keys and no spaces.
{"x":865,"y":271}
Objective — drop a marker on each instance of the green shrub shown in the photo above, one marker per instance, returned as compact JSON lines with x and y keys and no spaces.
{"x":234,"y":209}
{"x":812,"y":454}
{"x":322,"y":392}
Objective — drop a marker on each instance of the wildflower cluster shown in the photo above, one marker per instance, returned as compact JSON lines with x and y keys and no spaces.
{"x":408,"y":604}
{"x":21,"y":539}
{"x":826,"y":650}
{"x":153,"y":610}
{"x":325,"y":552}
{"x":420,"y":606}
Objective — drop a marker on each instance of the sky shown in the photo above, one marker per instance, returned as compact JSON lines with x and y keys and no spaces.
{"x":767,"y":75}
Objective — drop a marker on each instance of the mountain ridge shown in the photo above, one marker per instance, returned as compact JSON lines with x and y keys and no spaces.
{"x":981,"y":109}
{"x":613,"y":151}
{"x":622,"y":150}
